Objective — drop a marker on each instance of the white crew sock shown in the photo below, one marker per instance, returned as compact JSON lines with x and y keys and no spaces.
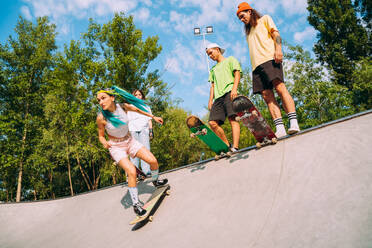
{"x":279,"y":125}
{"x":292,"y":119}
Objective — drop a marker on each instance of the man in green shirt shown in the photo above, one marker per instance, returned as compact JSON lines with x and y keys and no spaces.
{"x":224,"y":78}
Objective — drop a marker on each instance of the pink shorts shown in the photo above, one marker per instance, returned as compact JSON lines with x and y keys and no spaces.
{"x":122,"y":149}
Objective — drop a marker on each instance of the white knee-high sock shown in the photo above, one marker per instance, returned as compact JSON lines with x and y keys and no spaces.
{"x":133,"y":191}
{"x":155,"y":174}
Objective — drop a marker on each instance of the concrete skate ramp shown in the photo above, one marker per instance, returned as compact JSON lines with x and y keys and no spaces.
{"x":311,"y":190}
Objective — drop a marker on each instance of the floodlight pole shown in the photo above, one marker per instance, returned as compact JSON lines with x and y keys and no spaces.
{"x":209,"y":31}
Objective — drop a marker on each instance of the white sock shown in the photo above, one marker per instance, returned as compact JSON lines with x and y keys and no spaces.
{"x":133,"y":191}
{"x":155,"y":174}
{"x":279,"y":125}
{"x":292,"y":119}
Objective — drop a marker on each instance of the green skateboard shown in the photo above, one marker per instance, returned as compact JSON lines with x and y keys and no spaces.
{"x":203,"y":132}
{"x":152,"y":204}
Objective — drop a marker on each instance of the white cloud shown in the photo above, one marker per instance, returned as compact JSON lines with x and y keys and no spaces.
{"x":56,"y":8}
{"x":173,"y":65}
{"x":26,"y":12}
{"x":294,"y":6}
{"x":181,"y":22}
{"x":142,"y":15}
{"x":203,"y":112}
{"x":149,"y":3}
{"x":266,"y":6}
{"x":160,"y":23}
{"x":203,"y":13}
{"x":64,"y":29}
{"x":183,"y":60}
{"x":203,"y":89}
{"x":307,"y":34}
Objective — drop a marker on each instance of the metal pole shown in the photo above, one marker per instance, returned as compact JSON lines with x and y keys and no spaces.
{"x":206,"y":56}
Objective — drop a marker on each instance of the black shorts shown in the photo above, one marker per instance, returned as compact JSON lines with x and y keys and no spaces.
{"x":264,"y":75}
{"x":221,"y":108}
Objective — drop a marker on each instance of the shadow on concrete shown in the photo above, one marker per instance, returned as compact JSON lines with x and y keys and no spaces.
{"x":238,"y":156}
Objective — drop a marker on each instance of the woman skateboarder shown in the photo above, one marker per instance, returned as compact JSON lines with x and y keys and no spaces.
{"x":224,"y":78}
{"x":114,"y":119}
{"x":265,"y":50}
{"x":140,"y":127}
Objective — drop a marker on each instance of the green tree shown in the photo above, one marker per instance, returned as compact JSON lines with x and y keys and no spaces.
{"x":317,"y":99}
{"x":364,"y":7}
{"x":124,"y":52}
{"x":24,"y":61}
{"x":362,"y":87}
{"x":342,"y":39}
{"x":69,"y":108}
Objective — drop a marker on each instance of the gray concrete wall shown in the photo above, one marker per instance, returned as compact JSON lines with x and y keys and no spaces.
{"x":311,"y":190}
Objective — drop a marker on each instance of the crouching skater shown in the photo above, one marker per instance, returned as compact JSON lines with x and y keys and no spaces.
{"x":114,"y":119}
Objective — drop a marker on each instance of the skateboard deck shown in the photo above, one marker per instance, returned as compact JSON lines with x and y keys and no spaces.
{"x":152,"y":204}
{"x":204,"y":133}
{"x":254,"y":121}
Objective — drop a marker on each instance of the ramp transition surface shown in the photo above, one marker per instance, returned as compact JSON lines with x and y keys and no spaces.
{"x":311,"y":190}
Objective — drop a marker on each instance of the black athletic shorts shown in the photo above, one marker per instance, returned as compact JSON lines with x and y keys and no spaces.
{"x":221,"y":108}
{"x":264,"y":75}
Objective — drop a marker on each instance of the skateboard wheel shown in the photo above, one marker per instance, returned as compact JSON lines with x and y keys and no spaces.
{"x":204,"y":131}
{"x":258,"y":144}
{"x":274,"y":140}
{"x":192,"y":135}
{"x":167,"y":192}
{"x":237,"y":118}
{"x":151,"y":218}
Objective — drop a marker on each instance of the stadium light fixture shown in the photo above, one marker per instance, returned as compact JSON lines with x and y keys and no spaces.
{"x":208,"y":30}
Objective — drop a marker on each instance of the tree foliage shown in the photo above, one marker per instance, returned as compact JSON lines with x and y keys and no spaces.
{"x":317,"y":98}
{"x":123,"y":52}
{"x":343,"y":39}
{"x":24,"y":63}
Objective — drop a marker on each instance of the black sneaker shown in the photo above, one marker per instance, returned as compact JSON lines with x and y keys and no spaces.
{"x":138,"y":209}
{"x":161,"y":182}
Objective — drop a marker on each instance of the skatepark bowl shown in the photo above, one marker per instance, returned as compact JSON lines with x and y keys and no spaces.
{"x":310,"y":190}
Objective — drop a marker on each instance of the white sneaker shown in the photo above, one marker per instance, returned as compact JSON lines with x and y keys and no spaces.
{"x":293,"y":129}
{"x":233,"y":149}
{"x":280,"y":134}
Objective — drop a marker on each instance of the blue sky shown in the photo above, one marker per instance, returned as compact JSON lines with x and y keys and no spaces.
{"x":182,"y":60}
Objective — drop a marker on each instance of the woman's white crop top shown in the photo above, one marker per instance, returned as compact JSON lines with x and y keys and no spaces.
{"x":122,"y":130}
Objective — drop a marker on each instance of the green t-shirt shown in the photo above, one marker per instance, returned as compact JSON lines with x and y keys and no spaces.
{"x":222,"y":75}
